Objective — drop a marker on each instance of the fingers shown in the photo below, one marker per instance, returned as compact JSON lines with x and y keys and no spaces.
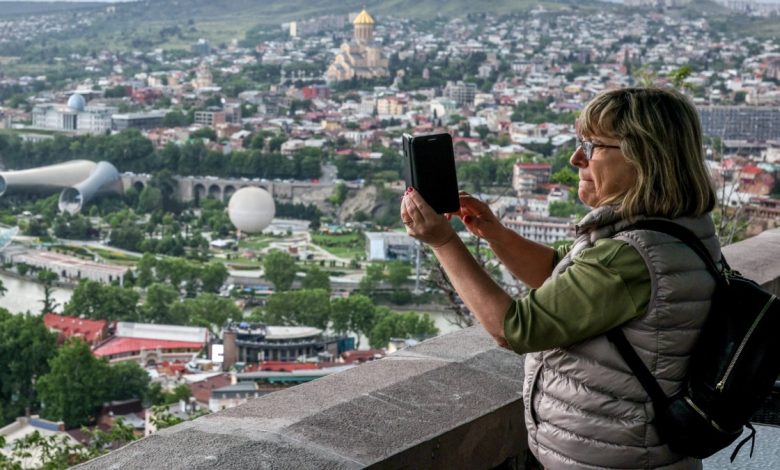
{"x":415,"y":215}
{"x":425,"y":211}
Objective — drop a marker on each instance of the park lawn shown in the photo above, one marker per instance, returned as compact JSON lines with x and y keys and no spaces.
{"x":114,"y":256}
{"x":348,"y":245}
{"x":241,"y":264}
{"x":255,"y":243}
{"x":345,"y":252}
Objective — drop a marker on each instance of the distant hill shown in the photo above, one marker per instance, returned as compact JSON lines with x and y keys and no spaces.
{"x":37,"y":8}
{"x":176,"y":24}
{"x":271,"y":12}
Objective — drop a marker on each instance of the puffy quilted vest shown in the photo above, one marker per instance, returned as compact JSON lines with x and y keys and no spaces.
{"x":583,"y":406}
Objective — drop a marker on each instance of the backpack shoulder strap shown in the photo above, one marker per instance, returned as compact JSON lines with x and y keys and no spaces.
{"x":685,"y":236}
{"x":640,"y":370}
{"x":616,"y":335}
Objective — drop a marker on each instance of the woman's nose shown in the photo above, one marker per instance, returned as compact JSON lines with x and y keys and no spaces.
{"x":578,"y":158}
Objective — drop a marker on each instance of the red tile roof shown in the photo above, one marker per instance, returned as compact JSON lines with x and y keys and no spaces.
{"x":128,"y":345}
{"x":533,"y":166}
{"x":202,"y":390}
{"x":90,"y":330}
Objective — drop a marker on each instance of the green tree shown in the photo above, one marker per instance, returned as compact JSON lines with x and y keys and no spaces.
{"x":157,"y":396}
{"x":316,"y":278}
{"x":339,"y":194}
{"x":164,"y":181}
{"x":150,"y":200}
{"x":567,"y":209}
{"x":35,"y":228}
{"x":157,"y":308}
{"x":47,"y":278}
{"x":213,"y":276}
{"x":301,"y":307}
{"x":356,"y":313}
{"x":127,"y":380}
{"x":280,"y":269}
{"x":59,"y":452}
{"x":145,"y":269}
{"x":679,"y":77}
{"x":102,"y":302}
{"x":375,"y":273}
{"x":175,"y":119}
{"x":75,"y":387}
{"x":26,"y":346}
{"x":127,"y":237}
{"x":398,"y":273}
{"x":208,"y":310}
{"x":565,"y":176}
{"x":400,"y":325}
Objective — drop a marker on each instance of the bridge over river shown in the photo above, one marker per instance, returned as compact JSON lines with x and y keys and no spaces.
{"x":196,"y":187}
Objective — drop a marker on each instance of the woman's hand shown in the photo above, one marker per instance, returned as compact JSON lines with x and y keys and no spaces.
{"x":422,"y":222}
{"x":478,"y":218}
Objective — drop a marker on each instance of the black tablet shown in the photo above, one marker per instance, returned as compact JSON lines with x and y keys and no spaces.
{"x":429,"y":167}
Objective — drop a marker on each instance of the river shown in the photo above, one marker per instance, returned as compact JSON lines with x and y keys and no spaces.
{"x":23,"y":295}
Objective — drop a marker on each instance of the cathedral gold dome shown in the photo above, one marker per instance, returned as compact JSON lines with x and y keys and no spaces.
{"x":363,"y":18}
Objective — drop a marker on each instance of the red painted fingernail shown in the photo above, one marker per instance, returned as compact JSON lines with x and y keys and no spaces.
{"x":467,"y":219}
{"x":411,"y":190}
{"x":408,"y":190}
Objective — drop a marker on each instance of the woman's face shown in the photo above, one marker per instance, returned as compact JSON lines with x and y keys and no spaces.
{"x":607,"y":174}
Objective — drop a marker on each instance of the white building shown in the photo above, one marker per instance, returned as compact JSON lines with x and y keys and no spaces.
{"x":535,"y":204}
{"x":68,"y":267}
{"x":23,"y":427}
{"x":547,"y":230}
{"x":383,"y":246}
{"x":75,"y":116}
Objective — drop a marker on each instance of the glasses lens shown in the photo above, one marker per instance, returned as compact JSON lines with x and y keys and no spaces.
{"x":587,"y":147}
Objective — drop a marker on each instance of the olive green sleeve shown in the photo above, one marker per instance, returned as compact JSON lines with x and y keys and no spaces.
{"x":560,"y":252}
{"x":605,"y":286}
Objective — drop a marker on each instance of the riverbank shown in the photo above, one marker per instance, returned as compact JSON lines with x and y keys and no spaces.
{"x":24,"y":294}
{"x":58,"y":283}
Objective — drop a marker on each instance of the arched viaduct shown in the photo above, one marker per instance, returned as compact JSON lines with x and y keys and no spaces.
{"x":197,"y":187}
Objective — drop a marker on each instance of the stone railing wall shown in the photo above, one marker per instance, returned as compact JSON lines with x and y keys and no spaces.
{"x":450,"y":402}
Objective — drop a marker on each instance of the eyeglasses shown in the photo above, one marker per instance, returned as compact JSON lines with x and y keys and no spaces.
{"x":587,"y":147}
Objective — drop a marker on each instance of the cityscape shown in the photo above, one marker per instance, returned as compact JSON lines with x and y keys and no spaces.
{"x":199,"y":209}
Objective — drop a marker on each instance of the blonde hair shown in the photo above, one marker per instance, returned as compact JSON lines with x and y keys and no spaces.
{"x":660,"y":135}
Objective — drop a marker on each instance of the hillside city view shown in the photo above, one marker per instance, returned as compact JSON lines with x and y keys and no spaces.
{"x":199,"y":201}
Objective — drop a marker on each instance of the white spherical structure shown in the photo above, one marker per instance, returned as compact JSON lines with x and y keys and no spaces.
{"x":77,"y":103}
{"x":251,"y":209}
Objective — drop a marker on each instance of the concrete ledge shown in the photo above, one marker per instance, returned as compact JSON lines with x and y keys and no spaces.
{"x":452,"y":401}
{"x":758,"y":258}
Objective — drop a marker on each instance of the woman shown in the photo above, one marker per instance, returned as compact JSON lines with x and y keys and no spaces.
{"x":639,"y":155}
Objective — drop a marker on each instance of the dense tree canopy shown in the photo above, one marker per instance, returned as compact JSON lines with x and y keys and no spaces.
{"x":99,"y":301}
{"x":316,"y":278}
{"x":301,"y":307}
{"x":280,"y":269}
{"x":391,"y":324}
{"x":26,"y":346}
{"x":76,"y":386}
{"x":356,"y":313}
{"x":129,"y":150}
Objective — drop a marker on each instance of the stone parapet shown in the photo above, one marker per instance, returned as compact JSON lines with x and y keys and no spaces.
{"x":454,"y":401}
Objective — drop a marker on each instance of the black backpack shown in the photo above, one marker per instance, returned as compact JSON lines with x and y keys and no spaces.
{"x":732,"y":368}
